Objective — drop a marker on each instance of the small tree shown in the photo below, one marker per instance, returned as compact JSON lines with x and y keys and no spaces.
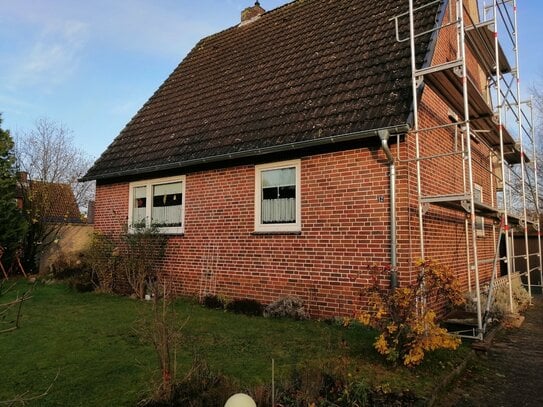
{"x":13,"y":225}
{"x":163,"y":330}
{"x":406,"y":318}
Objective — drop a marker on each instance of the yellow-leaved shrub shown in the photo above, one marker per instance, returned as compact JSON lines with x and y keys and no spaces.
{"x":405,"y":318}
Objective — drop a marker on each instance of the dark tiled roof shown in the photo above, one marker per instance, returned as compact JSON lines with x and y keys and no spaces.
{"x":304,"y":71}
{"x":55,"y":202}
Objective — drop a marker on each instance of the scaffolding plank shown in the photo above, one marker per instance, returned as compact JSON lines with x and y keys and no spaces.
{"x":460,"y":202}
{"x":480,"y":39}
{"x":449,"y":87}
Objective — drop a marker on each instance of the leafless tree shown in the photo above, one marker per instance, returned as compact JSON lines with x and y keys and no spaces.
{"x":537,"y":105}
{"x":48,"y":154}
{"x":515,"y":179}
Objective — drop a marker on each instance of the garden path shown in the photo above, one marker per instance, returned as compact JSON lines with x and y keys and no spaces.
{"x":510,"y":373}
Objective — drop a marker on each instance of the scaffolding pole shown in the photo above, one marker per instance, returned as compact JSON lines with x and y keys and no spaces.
{"x":522,"y":155}
{"x":504,"y":96}
{"x":536,"y":186}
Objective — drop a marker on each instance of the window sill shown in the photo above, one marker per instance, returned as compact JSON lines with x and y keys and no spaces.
{"x":276,"y":232}
{"x":132,"y":231}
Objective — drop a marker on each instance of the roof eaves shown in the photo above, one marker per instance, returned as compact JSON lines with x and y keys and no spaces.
{"x":359,"y":135}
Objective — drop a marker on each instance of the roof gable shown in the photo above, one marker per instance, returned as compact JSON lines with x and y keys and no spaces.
{"x":305,"y":71}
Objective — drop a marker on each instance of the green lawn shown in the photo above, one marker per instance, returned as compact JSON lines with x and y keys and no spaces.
{"x":89,"y":341}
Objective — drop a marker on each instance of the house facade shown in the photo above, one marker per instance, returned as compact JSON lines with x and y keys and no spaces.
{"x":280,"y":157}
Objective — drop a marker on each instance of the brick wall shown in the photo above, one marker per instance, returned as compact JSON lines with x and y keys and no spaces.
{"x":345,"y":224}
{"x":345,"y":228}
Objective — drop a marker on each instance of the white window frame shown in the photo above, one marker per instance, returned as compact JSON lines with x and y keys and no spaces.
{"x":479,"y":220}
{"x":149,"y":184}
{"x":277,"y":227}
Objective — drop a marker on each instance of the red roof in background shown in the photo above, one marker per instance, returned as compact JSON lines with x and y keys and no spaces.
{"x":56,"y":201}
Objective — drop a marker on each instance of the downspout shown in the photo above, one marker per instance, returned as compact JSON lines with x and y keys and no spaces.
{"x":384,"y":135}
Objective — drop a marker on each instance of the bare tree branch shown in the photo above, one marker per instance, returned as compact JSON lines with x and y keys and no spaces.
{"x":24,"y":398}
{"x":48,"y":154}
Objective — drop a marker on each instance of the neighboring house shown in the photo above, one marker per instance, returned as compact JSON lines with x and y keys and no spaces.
{"x":54,"y":213}
{"x":280,"y":156}
{"x":54,"y":202}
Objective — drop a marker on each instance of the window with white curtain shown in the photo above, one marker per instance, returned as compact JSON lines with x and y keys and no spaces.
{"x":277,"y":197}
{"x":158,"y":203}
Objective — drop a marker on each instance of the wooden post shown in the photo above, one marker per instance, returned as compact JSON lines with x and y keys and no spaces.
{"x":18,"y":254}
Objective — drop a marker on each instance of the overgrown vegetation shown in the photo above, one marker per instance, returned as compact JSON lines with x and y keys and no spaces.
{"x":133,"y":258}
{"x":405,"y":317}
{"x":201,"y":386}
{"x":75,"y":272}
{"x":245,"y":306}
{"x":214,"y":302}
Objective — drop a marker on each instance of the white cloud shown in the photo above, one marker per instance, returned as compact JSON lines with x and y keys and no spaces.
{"x":49,"y":58}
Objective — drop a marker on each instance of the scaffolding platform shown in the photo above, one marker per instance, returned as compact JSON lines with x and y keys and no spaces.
{"x":480,"y":39}
{"x":448,"y":85}
{"x":461,"y":202}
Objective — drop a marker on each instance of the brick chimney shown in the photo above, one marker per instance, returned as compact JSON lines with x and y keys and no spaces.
{"x":91,"y":210}
{"x":22,"y":177}
{"x":251,"y":13}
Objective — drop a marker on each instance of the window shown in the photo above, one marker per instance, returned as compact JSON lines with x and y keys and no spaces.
{"x":479,"y":220}
{"x":277,"y":197}
{"x":158,"y":203}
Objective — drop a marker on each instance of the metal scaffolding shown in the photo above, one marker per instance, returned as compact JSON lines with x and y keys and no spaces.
{"x":480,"y":84}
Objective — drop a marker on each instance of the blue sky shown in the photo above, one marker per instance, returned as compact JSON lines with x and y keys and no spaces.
{"x":92,"y":64}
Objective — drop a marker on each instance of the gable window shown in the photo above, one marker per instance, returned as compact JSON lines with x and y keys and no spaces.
{"x":158,"y":203}
{"x":479,"y":220}
{"x":277,"y":197}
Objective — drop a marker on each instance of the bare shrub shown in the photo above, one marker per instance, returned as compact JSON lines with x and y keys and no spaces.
{"x":501,"y":307}
{"x":289,"y":306}
{"x":101,"y":257}
{"x":10,"y":311}
{"x":141,"y":257}
{"x":163,"y":331}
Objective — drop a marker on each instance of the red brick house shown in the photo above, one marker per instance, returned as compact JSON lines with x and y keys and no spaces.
{"x":280,"y":155}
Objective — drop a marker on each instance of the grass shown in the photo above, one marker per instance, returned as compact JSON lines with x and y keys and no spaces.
{"x":89,"y":341}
